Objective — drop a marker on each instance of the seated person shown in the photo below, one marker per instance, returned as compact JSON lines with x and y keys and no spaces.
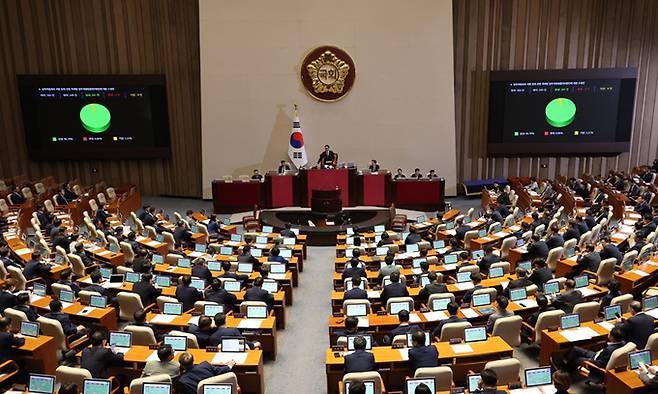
{"x":353,"y":269}
{"x":219,"y":295}
{"x":360,"y":360}
{"x":477,"y":284}
{"x":649,"y":375}
{"x":542,"y":306}
{"x":588,"y":259}
{"x":7,"y":296}
{"x":537,"y":248}
{"x":35,"y":268}
{"x":98,"y":359}
{"x":68,"y":388}
{"x":8,"y":341}
{"x":413,"y":237}
{"x":63,"y":319}
{"x":222,"y":331}
{"x":374,"y":166}
{"x":577,"y":355}
{"x":453,"y":309}
{"x":193,"y":374}
{"x":24,"y":306}
{"x":395,"y":289}
{"x":403,"y":328}
{"x":540,"y":273}
{"x":399,"y":174}
{"x":561,"y":381}
{"x":488,"y":383}
{"x":434,"y":287}
{"x":613,"y":291}
{"x":256,"y":176}
{"x":424,"y":269}
{"x":147,"y":292}
{"x":520,"y":281}
{"x":165,"y":363}
{"x":227,"y":273}
{"x":200,"y":269}
{"x":351,"y":328}
{"x":388,"y":268}
{"x":182,"y":236}
{"x":141,"y":262}
{"x":386,"y":240}
{"x":246,"y":257}
{"x":256,"y":293}
{"x":79,"y":251}
{"x":489,"y":258}
{"x":275,"y":257}
{"x":569,"y":297}
{"x":187,"y":294}
{"x":202,"y":331}
{"x":96,"y":279}
{"x":501,"y":311}
{"x":283,"y":167}
{"x":417,"y":174}
{"x":638,"y":327}
{"x":356,"y":293}
{"x":421,"y":356}
{"x":288,"y":233}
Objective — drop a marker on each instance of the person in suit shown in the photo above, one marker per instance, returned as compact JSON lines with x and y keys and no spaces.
{"x":413,"y":237}
{"x":98,"y":359}
{"x":283,"y":167}
{"x":8,"y":341}
{"x":355,"y":293}
{"x":79,"y":251}
{"x":477,"y":284}
{"x":256,"y":293}
{"x":256,"y":176}
{"x":275,"y":257}
{"x":501,"y":311}
{"x":374,"y":166}
{"x":187,"y":294}
{"x":613,"y":291}
{"x":610,"y":250}
{"x":7,"y":297}
{"x":648,"y":225}
{"x":572,"y":232}
{"x":394,"y":289}
{"x":640,"y":242}
{"x":60,"y":239}
{"x":23,"y":305}
{"x":165,"y":363}
{"x":101,"y":213}
{"x":496,"y":216}
{"x":642,"y":207}
{"x":540,"y":273}
{"x":488,"y":383}
{"x":228,"y":274}
{"x":399,"y":175}
{"x":200,"y":270}
{"x":588,"y":259}
{"x":489,"y":258}
{"x":520,"y":281}
{"x":68,"y":193}
{"x":569,"y":297}
{"x":638,"y":327}
{"x":453,"y":308}
{"x":146,"y":291}
{"x":193,"y":374}
{"x":385,"y":240}
{"x":542,"y":306}
{"x":96,"y":279}
{"x":182,"y":236}
{"x":288,"y":233}
{"x":202,"y":331}
{"x":7,"y":260}
{"x":219,"y":295}
{"x":388,"y":268}
{"x":555,"y":239}
{"x":561,"y":381}
{"x":141,"y":262}
{"x":246,"y":257}
{"x":360,"y":360}
{"x":403,"y":328}
{"x":327,"y":159}
{"x":581,"y":225}
{"x":537,"y":248}
{"x":16,"y":197}
{"x":63,"y":319}
{"x":434,"y":287}
{"x":589,"y":219}
{"x":422,"y":356}
{"x":432,"y":174}
{"x":222,"y":331}
{"x":35,"y":268}
{"x":461,"y":229}
{"x":44,"y":218}
{"x":354,"y":269}
{"x":576,"y":355}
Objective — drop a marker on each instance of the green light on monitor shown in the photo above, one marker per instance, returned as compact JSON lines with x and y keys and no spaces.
{"x":95,"y":117}
{"x":560,"y":112}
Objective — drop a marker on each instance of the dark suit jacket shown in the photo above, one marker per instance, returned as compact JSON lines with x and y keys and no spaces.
{"x":202,"y":336}
{"x":541,"y":276}
{"x":147,"y":292}
{"x":451,"y":319}
{"x":604,"y":356}
{"x":181,"y":234}
{"x":351,"y":272}
{"x":63,"y":319}
{"x":432,"y":288}
{"x":393,"y":290}
{"x":258,"y":294}
{"x":141,"y":265}
{"x":590,"y":261}
{"x":7,"y":342}
{"x":100,"y":289}
{"x":31,"y":314}
{"x":221,"y":297}
{"x":518,"y":283}
{"x":424,"y":357}
{"x":35,"y":268}
{"x":554,"y":241}
{"x":412,"y":239}
{"x":609,"y":251}
{"x":201,"y":271}
{"x":7,"y":300}
{"x":74,"y":286}
{"x":188,"y":381}
{"x":469,"y":293}
{"x":97,"y":360}
{"x":355,"y":294}
{"x":582,"y":227}
{"x":359,"y":361}
{"x":567,"y":300}
{"x":461,"y":232}
{"x":188,"y":295}
{"x":486,"y":262}
{"x":234,"y":275}
{"x":404,"y":329}
{"x":538,"y":249}
{"x":637,"y":329}
{"x":497,"y":217}
{"x":589,"y":221}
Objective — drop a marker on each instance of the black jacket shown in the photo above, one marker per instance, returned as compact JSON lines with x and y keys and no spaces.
{"x":424,"y":357}
{"x":97,"y":360}
{"x":7,"y":300}
{"x":412,"y":239}
{"x":7,"y":342}
{"x":567,"y":300}
{"x":609,"y":251}
{"x":554,"y":241}
{"x":202,"y":337}
{"x":258,"y":294}
{"x":355,"y":293}
{"x":221,"y":297}
{"x":63,"y":319}
{"x":35,"y":268}
{"x":486,"y":262}
{"x":541,"y":276}
{"x":31,"y":314}
{"x":201,"y":271}
{"x":189,"y":380}
{"x":393,"y":290}
{"x":637,"y":329}
{"x":538,"y":249}
{"x":147,"y":292}
{"x":571,"y":233}
{"x":451,"y":319}
{"x":590,"y":262}
{"x":359,"y":361}
{"x":604,"y":356}
{"x":432,"y":288}
{"x":188,"y":295}
{"x":351,"y":272}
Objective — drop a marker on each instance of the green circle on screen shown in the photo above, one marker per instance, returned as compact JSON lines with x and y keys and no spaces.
{"x":95,"y":117}
{"x":560,"y":112}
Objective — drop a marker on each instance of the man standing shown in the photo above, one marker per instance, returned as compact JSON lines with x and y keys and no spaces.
{"x":328,"y":159}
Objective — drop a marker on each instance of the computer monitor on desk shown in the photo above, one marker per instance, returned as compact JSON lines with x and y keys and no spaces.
{"x":96,"y":386}
{"x":41,"y":384}
{"x":538,"y":376}
{"x":156,"y":388}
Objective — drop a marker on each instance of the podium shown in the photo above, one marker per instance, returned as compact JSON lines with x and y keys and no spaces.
{"x":326,"y":201}
{"x":280,"y":190}
{"x":321,"y":179}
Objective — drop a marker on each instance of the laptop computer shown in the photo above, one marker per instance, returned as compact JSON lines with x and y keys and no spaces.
{"x":475,"y":334}
{"x":232,"y":286}
{"x":41,"y":384}
{"x":571,"y":320}
{"x":351,"y":338}
{"x":98,"y":301}
{"x":172,"y":308}
{"x":440,"y":304}
{"x":29,"y":329}
{"x":639,"y":357}
{"x":178,"y":343}
{"x":218,"y":388}
{"x":612,"y":312}
{"x":96,"y":386}
{"x":233,"y":344}
{"x":256,"y":312}
{"x":473,"y":382}
{"x":156,"y":388}
{"x":356,"y":310}
{"x":212,"y":309}
{"x":538,"y":376}
{"x":121,"y":338}
{"x":411,"y":384}
{"x":396,"y":307}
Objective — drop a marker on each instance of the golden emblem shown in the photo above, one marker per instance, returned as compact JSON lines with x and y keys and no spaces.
{"x":328,"y":73}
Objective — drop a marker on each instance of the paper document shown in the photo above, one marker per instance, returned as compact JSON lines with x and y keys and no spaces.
{"x":277,"y":276}
{"x":363,"y":322}
{"x":23,"y":251}
{"x":414,"y":318}
{"x":528,"y":303}
{"x":587,"y":291}
{"x":653,"y":313}
{"x":469,"y":313}
{"x":163,"y":318}
{"x":86,"y":310}
{"x":153,"y":356}
{"x":373,"y":294}
{"x":640,"y":273}
{"x":486,"y":239}
{"x":404,"y":354}
{"x":194,"y":320}
{"x":450,"y":267}
{"x":225,"y":358}
{"x":501,"y":234}
{"x":464,"y":285}
{"x":435,"y":316}
{"x":578,"y":334}
{"x":462,"y":348}
{"x":607,"y":325}
{"x":250,"y":323}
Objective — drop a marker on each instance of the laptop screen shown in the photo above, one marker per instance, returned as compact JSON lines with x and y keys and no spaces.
{"x":226,"y":250}
{"x":214,"y":266}
{"x":184,"y":262}
{"x":612,"y":312}
{"x":496,"y":272}
{"x":475,"y":334}
{"x":440,"y":304}
{"x":477,"y":254}
{"x":380,"y":229}
{"x":538,"y":376}
{"x":212,"y":309}
{"x":232,"y":286}
{"x":551,"y":287}
{"x":424,"y":280}
{"x":159,"y":238}
{"x":649,"y":303}
{"x":396,"y":307}
{"x":351,"y":338}
{"x":518,"y":294}
{"x":413,"y":383}
{"x":569,"y":321}
{"x":114,"y":248}
{"x":261,"y":240}
{"x":198,"y":284}
{"x":464,"y":276}
{"x":481,"y":299}
{"x":412,"y":248}
{"x":473,"y":382}
{"x":256,"y":312}
{"x":270,"y":286}
{"x":245,"y":267}
{"x":520,"y":242}
{"x":226,"y":221}
{"x":450,"y":226}
{"x":132,"y":277}
{"x":96,"y":386}
{"x":30,"y":329}
{"x":120,"y":339}
{"x":526,"y":265}
{"x":39,"y":289}
{"x":349,"y":285}
{"x":177,"y":343}
{"x":106,"y":273}
{"x":156,"y":388}
{"x":381,"y":251}
{"x":172,"y":308}
{"x":157,"y":259}
{"x":268,"y":229}
{"x":236,"y":237}
{"x":285,"y":253}
{"x":218,"y":388}
{"x":200,"y":248}
{"x":43,"y":384}
{"x":289,"y":241}
{"x":233,"y":345}
{"x":639,"y":357}
{"x":450,"y":259}
{"x":438,"y":244}
{"x":163,"y":281}
{"x":418,"y":261}
{"x":581,"y":281}
{"x":66,"y":296}
{"x":369,"y":384}
{"x":356,"y":310}
{"x":98,"y":301}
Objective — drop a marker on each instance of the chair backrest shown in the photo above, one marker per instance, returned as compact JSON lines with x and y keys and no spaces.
{"x":468,"y":237}
{"x":624,"y":301}
{"x":228,"y":377}
{"x":509,"y":220}
{"x":18,"y":276}
{"x":442,"y":376}
{"x":470,"y":268}
{"x":652,"y":344}
{"x":505,"y":246}
{"x":645,"y":253}
{"x":553,"y":256}
{"x":129,"y":303}
{"x":77,"y":266}
{"x":128,"y":253}
{"x":361,"y":376}
{"x":531,"y":290}
{"x":151,"y":231}
{"x":509,"y":328}
{"x":57,"y":287}
{"x":493,"y":293}
{"x":619,"y":357}
{"x":200,"y":305}
{"x":162,"y":299}
{"x":16,"y":317}
{"x":408,"y":300}
{"x":53,"y":328}
{"x":399,"y":340}
{"x":568,"y":244}
{"x":137,"y":384}
{"x":453,"y":330}
{"x":101,"y":198}
{"x":66,"y":375}
{"x":632,"y":255}
{"x":111,"y":193}
{"x":27,"y":192}
{"x":245,"y":304}
{"x":437,"y":296}
{"x":172,"y":258}
{"x":4,"y":208}
{"x":507,"y":370}
{"x":93,"y":205}
{"x":596,"y":231}
{"x":112,"y":240}
{"x":606,"y":271}
{"x":85,"y":295}
{"x":192,"y":342}
{"x":545,"y":320}
{"x":502,"y":264}
{"x":539,"y":230}
{"x":584,"y":239}
{"x":356,"y":302}
{"x":588,"y":311}
{"x":364,"y":281}
{"x":142,"y":336}
{"x":169,"y":240}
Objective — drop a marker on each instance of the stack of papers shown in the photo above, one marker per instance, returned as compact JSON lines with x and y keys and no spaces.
{"x":640,"y":273}
{"x":607,"y":325}
{"x":364,"y":322}
{"x":414,"y":318}
{"x":486,"y":239}
{"x":435,"y":316}
{"x":225,"y":358}
{"x":462,"y":348}
{"x":578,"y":334}
{"x":404,"y":354}
{"x":469,"y":313}
{"x":163,"y":318}
{"x":250,"y":323}
{"x":464,"y":285}
{"x":277,"y":276}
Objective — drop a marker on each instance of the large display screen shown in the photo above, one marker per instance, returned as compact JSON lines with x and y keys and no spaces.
{"x":561,"y":111}
{"x":69,"y":117}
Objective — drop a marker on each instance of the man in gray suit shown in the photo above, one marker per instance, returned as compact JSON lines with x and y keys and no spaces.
{"x":165,"y":364}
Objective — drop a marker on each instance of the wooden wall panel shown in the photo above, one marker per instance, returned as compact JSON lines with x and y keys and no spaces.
{"x":493,"y":35}
{"x":106,"y":37}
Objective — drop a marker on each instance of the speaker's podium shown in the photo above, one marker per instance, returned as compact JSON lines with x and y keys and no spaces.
{"x":327,"y":202}
{"x":325,"y":180}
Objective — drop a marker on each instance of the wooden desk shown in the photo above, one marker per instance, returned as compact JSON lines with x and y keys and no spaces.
{"x":41,"y":353}
{"x":632,"y":282}
{"x":626,"y":382}
{"x":553,"y":342}
{"x":105,"y":317}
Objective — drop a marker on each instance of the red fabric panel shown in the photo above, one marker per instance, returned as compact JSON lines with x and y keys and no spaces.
{"x":417,"y":192}
{"x":374,"y":192}
{"x":227,"y":195}
{"x":319,"y":179}
{"x":282,"y":193}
